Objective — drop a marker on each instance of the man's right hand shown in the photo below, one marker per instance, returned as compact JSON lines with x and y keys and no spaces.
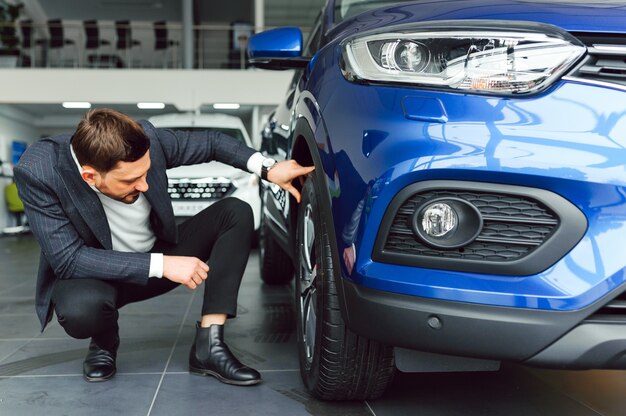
{"x":188,"y":271}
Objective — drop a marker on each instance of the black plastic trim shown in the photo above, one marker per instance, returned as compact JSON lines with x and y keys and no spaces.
{"x":600,"y":65}
{"x":588,"y":346}
{"x":572,"y":227}
{"x":466,"y":329}
{"x":280,"y":63}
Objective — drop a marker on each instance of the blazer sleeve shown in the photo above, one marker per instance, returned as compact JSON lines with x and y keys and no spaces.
{"x":62,"y":246}
{"x":192,"y":147}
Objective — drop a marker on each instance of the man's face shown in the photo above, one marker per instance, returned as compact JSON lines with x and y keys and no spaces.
{"x":124,"y":182}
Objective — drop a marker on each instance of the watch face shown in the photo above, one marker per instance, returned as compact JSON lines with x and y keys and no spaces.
{"x":269,"y":162}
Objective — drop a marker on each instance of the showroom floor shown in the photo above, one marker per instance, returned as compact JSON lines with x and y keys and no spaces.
{"x":40,"y":373}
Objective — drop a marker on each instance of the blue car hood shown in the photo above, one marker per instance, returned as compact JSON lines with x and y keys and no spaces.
{"x":600,"y":17}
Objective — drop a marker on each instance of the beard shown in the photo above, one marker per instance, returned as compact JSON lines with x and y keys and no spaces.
{"x":131,"y":198}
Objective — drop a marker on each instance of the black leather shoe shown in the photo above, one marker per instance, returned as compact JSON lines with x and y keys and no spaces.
{"x":99,"y":364}
{"x":210,"y":356}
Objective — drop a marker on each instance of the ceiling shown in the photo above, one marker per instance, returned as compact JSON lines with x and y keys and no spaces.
{"x":54,"y":110}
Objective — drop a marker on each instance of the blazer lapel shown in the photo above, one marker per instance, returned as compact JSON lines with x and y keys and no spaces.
{"x":84,"y":198}
{"x":163,"y":222}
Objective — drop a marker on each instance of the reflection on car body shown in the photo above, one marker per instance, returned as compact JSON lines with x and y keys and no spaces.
{"x":469,"y":197}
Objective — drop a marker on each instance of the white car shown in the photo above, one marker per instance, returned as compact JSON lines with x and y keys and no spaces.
{"x":193,"y":188}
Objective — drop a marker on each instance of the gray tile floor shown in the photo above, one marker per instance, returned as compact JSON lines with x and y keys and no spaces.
{"x":40,"y":373}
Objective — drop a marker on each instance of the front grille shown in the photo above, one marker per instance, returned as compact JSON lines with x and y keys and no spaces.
{"x":605,"y":61}
{"x":524,"y":230}
{"x":205,"y":189}
{"x":614,"y":311}
{"x":513,"y":227}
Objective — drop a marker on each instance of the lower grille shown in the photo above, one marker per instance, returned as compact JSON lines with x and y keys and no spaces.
{"x":199,"y":189}
{"x":614,"y":311}
{"x":513,"y":227}
{"x":524,"y":230}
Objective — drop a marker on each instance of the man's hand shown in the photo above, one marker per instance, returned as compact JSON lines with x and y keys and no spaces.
{"x":283,"y":173}
{"x":188,"y":271}
{"x":349,"y":257}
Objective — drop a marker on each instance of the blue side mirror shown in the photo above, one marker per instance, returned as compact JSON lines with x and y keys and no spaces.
{"x":284,"y":42}
{"x":277,"y":49}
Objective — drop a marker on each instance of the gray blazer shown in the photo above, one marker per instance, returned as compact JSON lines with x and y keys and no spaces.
{"x":67,"y":217}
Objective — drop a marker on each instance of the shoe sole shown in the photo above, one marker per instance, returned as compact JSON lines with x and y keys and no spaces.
{"x":209,"y":373}
{"x":98,"y":379}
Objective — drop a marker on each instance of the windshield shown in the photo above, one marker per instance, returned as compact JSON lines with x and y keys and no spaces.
{"x":235,"y":133}
{"x":348,"y":8}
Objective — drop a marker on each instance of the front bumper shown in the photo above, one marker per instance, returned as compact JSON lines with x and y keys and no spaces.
{"x":535,"y":337}
{"x":249,"y":194}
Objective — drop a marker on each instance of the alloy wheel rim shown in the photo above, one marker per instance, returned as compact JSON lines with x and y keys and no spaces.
{"x":308,"y":291}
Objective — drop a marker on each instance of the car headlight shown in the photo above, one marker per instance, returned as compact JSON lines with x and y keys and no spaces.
{"x":480,"y":56}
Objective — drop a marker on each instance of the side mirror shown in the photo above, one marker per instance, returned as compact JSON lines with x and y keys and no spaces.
{"x":277,"y":49}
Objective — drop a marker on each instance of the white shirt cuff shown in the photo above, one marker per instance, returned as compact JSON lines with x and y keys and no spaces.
{"x":255,"y":163}
{"x":156,"y":265}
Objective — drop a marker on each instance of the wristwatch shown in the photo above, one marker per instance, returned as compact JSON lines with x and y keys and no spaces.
{"x":267,"y":164}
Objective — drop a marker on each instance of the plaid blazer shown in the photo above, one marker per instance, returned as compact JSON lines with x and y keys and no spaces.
{"x":67,"y":217}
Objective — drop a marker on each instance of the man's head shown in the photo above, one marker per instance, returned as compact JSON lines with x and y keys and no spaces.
{"x":112,"y":149}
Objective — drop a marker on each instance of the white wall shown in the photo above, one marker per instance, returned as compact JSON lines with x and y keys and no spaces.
{"x":185,"y":89}
{"x":14,"y":125}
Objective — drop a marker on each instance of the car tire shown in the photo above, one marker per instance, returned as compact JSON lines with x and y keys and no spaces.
{"x":335,"y":363}
{"x":276,"y":265}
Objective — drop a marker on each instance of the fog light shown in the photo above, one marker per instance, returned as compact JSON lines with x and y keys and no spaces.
{"x":439,"y":219}
{"x":447,"y":223}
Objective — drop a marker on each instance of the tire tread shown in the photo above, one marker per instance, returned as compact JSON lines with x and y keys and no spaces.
{"x":350,"y":367}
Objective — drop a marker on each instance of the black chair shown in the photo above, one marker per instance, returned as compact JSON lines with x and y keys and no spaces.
{"x":94,"y":43}
{"x":29,"y":45}
{"x":58,"y":42}
{"x":163,"y":43}
{"x":125,"y":41}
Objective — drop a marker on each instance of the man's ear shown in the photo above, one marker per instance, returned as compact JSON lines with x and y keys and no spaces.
{"x":89,"y":175}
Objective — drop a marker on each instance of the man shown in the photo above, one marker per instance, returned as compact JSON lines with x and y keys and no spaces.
{"x":98,"y":205}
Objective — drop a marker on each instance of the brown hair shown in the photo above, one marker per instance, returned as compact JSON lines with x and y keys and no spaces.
{"x":105,"y":137}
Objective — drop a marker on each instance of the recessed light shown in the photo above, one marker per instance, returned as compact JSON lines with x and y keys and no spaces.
{"x":226,"y":106}
{"x":151,"y":106}
{"x":76,"y":104}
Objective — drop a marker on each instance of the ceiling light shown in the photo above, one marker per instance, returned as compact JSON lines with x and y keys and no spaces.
{"x":226,"y":106}
{"x":76,"y":104}
{"x":151,"y":106}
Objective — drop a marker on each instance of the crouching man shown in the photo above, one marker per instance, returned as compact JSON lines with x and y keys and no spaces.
{"x":97,"y":202}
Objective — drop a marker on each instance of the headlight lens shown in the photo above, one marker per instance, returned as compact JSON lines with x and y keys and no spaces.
{"x":498,"y":60}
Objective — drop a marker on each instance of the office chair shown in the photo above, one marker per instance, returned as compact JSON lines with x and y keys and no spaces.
{"x":58,"y":42}
{"x":162,"y":43}
{"x":16,"y":207}
{"x":94,"y":43}
{"x":125,"y":41}
{"x":29,"y":45}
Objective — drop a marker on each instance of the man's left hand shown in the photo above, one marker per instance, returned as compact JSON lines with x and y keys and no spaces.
{"x":283,"y":173}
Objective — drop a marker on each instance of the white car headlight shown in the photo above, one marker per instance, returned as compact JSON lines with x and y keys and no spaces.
{"x":480,"y":56}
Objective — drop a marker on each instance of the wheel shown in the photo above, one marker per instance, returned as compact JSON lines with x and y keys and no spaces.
{"x":335,"y":363}
{"x":276,"y":265}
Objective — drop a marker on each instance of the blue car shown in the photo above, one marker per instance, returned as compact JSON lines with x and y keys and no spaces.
{"x":468,"y":205}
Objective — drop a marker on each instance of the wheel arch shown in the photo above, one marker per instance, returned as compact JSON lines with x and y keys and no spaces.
{"x":306,"y":152}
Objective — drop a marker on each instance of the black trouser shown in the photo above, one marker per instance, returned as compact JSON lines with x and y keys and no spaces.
{"x":221,"y":233}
